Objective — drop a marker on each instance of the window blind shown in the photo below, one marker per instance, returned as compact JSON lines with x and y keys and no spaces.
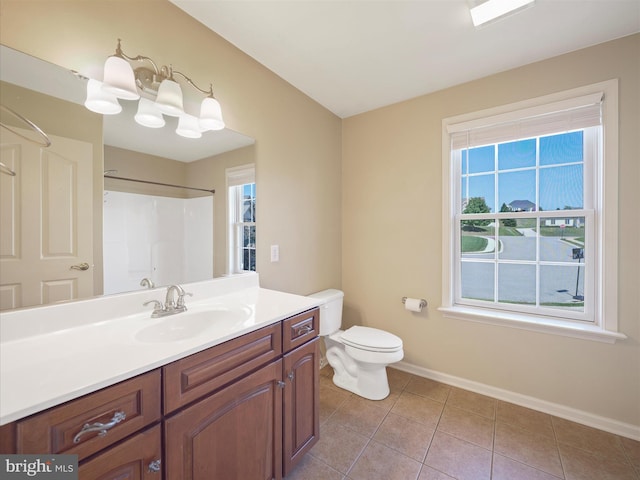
{"x":240,"y":175}
{"x":572,"y":114}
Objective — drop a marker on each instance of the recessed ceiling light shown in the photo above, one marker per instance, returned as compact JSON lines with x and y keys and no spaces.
{"x":492,"y":9}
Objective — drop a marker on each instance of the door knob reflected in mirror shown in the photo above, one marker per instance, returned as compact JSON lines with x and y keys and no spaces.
{"x":81,"y":266}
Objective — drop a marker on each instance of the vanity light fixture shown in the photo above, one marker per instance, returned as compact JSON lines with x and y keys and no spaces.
{"x":158,"y":94}
{"x":493,"y":9}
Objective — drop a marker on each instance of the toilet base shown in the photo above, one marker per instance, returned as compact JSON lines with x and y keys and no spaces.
{"x":366,"y":379}
{"x":372,"y":385}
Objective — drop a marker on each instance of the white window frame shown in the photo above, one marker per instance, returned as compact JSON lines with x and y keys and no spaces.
{"x":236,"y":177}
{"x":605,"y":205}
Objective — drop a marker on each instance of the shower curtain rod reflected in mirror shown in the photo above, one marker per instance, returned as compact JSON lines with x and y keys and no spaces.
{"x":149,"y":182}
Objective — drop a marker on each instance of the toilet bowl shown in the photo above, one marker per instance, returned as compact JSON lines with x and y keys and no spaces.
{"x":359,"y":355}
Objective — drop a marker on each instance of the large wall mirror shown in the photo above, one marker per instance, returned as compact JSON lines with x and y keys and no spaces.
{"x":110,"y":206}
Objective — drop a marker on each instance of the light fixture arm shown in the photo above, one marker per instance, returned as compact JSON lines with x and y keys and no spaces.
{"x":139,"y":58}
{"x":191,"y":82}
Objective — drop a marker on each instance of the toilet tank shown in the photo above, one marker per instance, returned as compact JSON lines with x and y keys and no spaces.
{"x":330,"y":310}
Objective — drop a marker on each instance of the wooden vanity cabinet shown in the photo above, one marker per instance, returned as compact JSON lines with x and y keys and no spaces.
{"x":245,"y":409}
{"x":301,"y":402}
{"x":257,"y":427}
{"x":138,"y":457}
{"x":236,"y":433}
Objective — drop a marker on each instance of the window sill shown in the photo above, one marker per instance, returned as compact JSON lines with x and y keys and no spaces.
{"x":537,"y":324}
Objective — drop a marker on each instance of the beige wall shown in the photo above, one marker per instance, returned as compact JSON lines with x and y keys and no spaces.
{"x":298,"y":142}
{"x":392,"y":213}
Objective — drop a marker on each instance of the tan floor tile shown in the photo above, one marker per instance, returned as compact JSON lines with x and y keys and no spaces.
{"x":537,"y":451}
{"x":359,"y":414}
{"x":405,"y":435}
{"x":398,"y":378}
{"x":388,"y":403}
{"x":428,"y":388}
{"x":428,"y":473}
{"x":589,"y":439}
{"x":632,"y":449}
{"x":507,"y":469}
{"x":421,"y":409}
{"x":310,"y":468}
{"x":467,"y":426}
{"x":473,"y":402}
{"x":326,"y":381}
{"x":339,"y":447}
{"x":531,"y":420}
{"x":330,"y":400}
{"x":381,"y":462}
{"x":582,"y":465}
{"x":460,"y":459}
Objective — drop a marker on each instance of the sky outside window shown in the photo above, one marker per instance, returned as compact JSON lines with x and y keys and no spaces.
{"x":560,"y":172}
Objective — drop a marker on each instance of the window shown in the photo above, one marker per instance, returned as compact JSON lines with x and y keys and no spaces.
{"x":242,"y":218}
{"x":528,"y":214}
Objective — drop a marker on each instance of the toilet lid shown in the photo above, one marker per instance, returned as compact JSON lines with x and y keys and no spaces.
{"x":367,"y":338}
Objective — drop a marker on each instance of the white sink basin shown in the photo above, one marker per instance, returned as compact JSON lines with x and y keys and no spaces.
{"x":183,"y":326}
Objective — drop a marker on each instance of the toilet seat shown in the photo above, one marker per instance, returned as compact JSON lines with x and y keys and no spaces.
{"x":371,"y":339}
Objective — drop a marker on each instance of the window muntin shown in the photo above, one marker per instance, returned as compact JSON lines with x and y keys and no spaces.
{"x":513,"y":255}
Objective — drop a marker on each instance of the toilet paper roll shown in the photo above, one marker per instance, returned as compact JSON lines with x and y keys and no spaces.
{"x":413,"y":304}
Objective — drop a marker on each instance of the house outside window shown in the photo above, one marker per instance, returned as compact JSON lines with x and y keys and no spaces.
{"x":528,"y":214}
{"x":242,"y":218}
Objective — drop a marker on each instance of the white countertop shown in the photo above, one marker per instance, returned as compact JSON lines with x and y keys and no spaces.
{"x":52,"y":354}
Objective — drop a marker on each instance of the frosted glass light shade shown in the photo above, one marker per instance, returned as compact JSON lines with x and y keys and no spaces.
{"x":188,"y":126}
{"x":169,"y":99}
{"x":148,"y":115}
{"x":119,"y":79}
{"x":100,"y":101}
{"x":211,"y":115}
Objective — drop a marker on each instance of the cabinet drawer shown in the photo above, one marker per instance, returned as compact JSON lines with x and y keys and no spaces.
{"x":139,"y":457}
{"x":194,"y":376}
{"x":76,"y":427}
{"x":299,"y":329}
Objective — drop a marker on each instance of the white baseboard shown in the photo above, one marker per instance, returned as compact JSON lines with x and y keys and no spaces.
{"x":579,"y":416}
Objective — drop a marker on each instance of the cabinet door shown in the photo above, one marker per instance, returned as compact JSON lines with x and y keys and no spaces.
{"x":135,"y":459}
{"x":235,"y":433}
{"x":301,"y":402}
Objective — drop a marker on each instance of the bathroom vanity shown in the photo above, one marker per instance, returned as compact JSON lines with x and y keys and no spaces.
{"x":241,"y":401}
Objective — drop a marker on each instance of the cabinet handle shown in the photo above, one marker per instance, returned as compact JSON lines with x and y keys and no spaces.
{"x":281,"y":384}
{"x":291,"y":376}
{"x":101,"y":428}
{"x":303,"y":330}
{"x":154,"y":466}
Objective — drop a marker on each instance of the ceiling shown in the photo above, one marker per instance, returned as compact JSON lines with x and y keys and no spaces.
{"x":359,"y":55}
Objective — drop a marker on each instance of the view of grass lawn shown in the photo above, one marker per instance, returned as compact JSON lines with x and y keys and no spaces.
{"x":473,"y":243}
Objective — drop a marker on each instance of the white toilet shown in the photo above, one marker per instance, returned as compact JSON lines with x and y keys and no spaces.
{"x":359,"y":356}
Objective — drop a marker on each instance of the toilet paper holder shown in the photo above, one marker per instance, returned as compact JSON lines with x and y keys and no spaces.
{"x":423,"y":302}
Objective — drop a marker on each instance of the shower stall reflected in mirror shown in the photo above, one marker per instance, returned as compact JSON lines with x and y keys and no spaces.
{"x":155,"y":234}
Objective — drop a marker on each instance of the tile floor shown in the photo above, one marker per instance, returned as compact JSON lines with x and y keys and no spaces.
{"x":426,"y":430}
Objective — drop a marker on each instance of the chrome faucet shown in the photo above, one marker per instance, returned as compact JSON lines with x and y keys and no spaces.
{"x":171,"y":306}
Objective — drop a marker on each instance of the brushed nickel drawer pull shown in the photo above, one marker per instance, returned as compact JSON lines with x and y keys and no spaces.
{"x":101,"y":428}
{"x":303,"y":330}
